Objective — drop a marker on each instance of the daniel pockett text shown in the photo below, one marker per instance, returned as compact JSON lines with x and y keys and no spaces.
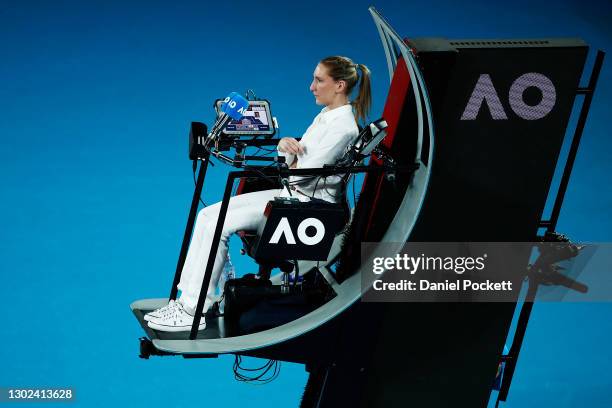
{"x":434,"y":272}
{"x":485,"y":271}
{"x":415,"y":264}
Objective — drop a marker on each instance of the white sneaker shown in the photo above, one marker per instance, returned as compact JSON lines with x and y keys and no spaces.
{"x":161,"y":312}
{"x":177,"y":321}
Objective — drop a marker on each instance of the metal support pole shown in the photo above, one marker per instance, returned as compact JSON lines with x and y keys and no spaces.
{"x":584,"y":111}
{"x":189,"y":227}
{"x":212,"y":254}
{"x":517,"y":342}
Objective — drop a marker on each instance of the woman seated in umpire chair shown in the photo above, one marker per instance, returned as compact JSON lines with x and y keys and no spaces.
{"x":324,"y":142}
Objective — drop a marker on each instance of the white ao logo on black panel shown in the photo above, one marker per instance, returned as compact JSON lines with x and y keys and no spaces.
{"x":310,"y":231}
{"x":485,"y":93}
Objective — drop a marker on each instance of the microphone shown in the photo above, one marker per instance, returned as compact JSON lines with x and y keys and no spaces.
{"x":234,"y":106}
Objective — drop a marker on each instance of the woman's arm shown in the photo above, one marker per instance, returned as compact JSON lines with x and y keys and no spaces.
{"x":331,"y":147}
{"x":288,"y":147}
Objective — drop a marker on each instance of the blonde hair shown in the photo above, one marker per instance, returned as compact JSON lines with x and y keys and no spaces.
{"x":344,"y":69}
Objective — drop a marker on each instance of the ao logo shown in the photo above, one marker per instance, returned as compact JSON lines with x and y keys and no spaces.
{"x":232,"y":105}
{"x":283,"y":228}
{"x":484,"y":91}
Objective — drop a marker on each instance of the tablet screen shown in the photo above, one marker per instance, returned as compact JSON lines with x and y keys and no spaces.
{"x":257,"y":120}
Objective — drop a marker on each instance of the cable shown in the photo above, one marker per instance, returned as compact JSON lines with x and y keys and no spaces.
{"x":195,"y":165}
{"x":270,"y":151}
{"x":261,"y":173}
{"x":354,"y":196}
{"x":250,"y":91}
{"x":342,"y":181}
{"x":303,"y":178}
{"x":314,"y":190}
{"x":327,"y":190}
{"x":242,"y":374}
{"x":285,"y":184}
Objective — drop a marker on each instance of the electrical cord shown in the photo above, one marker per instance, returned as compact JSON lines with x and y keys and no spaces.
{"x":354,"y":194}
{"x":252,"y":93}
{"x":195,"y":166}
{"x":346,"y":176}
{"x":269,"y":152}
{"x":243,"y":374}
{"x":303,"y":178}
{"x":285,"y":184}
{"x":261,"y":173}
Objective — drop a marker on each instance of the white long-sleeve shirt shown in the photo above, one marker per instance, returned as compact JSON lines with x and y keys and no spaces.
{"x":324,"y":142}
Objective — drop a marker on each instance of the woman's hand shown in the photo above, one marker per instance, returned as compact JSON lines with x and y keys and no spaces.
{"x":290,"y":145}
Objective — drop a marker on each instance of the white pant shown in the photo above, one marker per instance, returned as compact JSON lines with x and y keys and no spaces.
{"x":245,"y":212}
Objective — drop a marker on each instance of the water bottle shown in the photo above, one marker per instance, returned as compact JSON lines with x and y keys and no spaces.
{"x":227,"y":274}
{"x":228,"y":269}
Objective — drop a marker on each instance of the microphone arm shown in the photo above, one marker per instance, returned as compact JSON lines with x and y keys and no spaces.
{"x":218,"y":127}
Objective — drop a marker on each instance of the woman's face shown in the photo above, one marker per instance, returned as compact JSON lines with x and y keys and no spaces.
{"x":323,"y":87}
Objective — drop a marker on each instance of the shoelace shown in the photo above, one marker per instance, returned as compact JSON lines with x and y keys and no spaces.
{"x":180,"y":314}
{"x":177,"y":311}
{"x":166,"y":309}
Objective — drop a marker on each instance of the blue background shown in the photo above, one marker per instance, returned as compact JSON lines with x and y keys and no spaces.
{"x":95,"y":102}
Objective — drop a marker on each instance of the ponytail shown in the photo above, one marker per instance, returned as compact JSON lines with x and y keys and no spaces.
{"x":364,"y":98}
{"x":344,"y":69}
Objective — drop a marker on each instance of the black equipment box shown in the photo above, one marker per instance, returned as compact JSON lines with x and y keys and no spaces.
{"x":197,"y":135}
